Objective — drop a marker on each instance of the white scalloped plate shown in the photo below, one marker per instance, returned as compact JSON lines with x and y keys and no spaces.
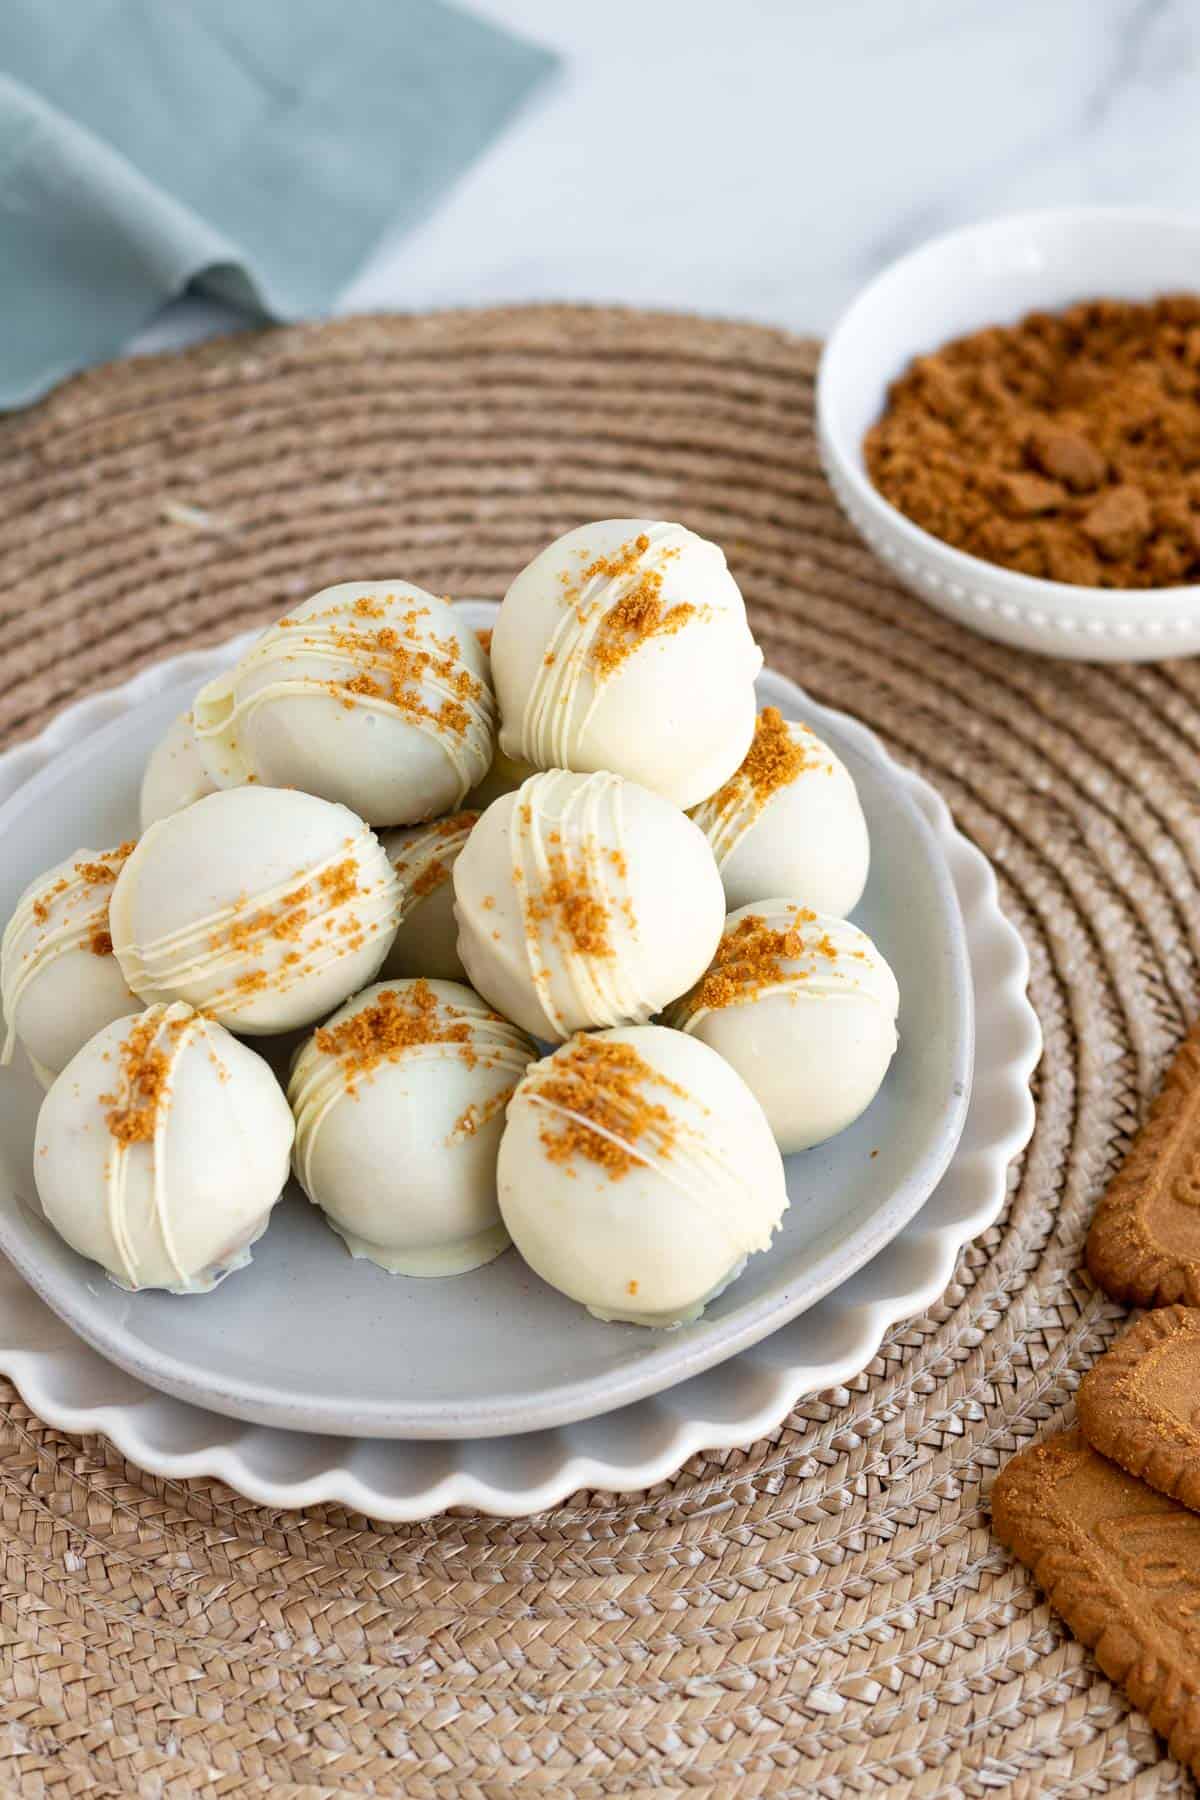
{"x":69,"y":1384}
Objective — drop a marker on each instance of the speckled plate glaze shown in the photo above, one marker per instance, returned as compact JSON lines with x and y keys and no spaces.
{"x":237,"y":1384}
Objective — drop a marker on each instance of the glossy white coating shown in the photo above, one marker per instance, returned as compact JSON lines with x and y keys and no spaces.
{"x":263,"y":906}
{"x":685,"y":1184}
{"x":503,"y":777}
{"x":807,"y":837}
{"x":59,"y":980}
{"x":423,"y":856}
{"x":372,"y":693}
{"x":814,"y":1037}
{"x":179,"y":1207}
{"x":400,"y":1152}
{"x":585,"y":900}
{"x":624,"y":646}
{"x":175,"y":773}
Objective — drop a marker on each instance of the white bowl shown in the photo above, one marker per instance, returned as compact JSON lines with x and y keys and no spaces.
{"x":993,"y":274}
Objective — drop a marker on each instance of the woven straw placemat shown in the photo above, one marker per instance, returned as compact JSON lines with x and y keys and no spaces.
{"x":825,"y":1613}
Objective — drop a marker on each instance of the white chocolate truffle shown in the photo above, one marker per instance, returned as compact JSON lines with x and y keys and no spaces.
{"x":504,"y":777}
{"x":789,"y":822}
{"x":804,"y":1008}
{"x":423,"y":857}
{"x":399,"y":1104}
{"x":374,"y":694}
{"x":161,"y":1149}
{"x":505,"y":774}
{"x":59,"y":978}
{"x":584,"y":900}
{"x":175,"y":774}
{"x":264,"y":907}
{"x":637,"y":1173}
{"x":625,"y":646}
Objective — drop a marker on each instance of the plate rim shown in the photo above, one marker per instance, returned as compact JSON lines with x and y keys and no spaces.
{"x":463,"y":1481}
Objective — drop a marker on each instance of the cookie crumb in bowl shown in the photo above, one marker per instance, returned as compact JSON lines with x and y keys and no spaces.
{"x":1066,"y":446}
{"x":959,"y":287}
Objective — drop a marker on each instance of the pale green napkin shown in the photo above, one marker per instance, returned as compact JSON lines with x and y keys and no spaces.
{"x":258,"y":147}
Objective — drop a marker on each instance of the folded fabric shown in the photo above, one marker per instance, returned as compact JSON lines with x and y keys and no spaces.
{"x":256,"y":146}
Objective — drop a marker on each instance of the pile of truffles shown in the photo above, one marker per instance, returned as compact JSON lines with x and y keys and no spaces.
{"x":639,"y":874}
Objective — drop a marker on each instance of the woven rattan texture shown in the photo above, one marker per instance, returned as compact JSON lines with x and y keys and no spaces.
{"x":825,"y":1613}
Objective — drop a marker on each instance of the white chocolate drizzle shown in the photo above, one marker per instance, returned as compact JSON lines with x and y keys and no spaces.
{"x":854,"y":972}
{"x":586,"y":816}
{"x":73,"y":913}
{"x":321,"y":1080}
{"x":340,"y":639}
{"x":229,"y":944}
{"x":731,"y":812}
{"x":176,"y":1023}
{"x":692,"y":1165}
{"x":426,"y":846}
{"x":566,"y":690}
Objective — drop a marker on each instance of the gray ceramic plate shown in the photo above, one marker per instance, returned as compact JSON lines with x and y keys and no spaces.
{"x":306,"y":1338}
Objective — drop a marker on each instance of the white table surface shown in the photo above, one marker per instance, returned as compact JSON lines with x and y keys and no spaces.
{"x":762,"y":158}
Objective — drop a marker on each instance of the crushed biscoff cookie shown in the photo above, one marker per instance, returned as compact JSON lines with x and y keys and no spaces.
{"x":774,"y":759}
{"x":640,"y":613}
{"x":752,"y":957}
{"x":400,"y":1019}
{"x":1066,"y":446}
{"x":601,"y":1105}
{"x":133,"y":1113}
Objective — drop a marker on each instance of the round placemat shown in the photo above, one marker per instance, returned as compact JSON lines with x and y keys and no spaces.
{"x":826,"y":1612}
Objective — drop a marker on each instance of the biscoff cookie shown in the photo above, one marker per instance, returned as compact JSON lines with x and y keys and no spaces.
{"x":1121,"y":1563}
{"x":1144,"y":1244}
{"x":1140,"y":1404}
